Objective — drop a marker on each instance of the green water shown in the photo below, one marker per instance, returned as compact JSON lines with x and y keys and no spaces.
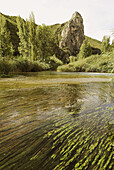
{"x":55,"y":121}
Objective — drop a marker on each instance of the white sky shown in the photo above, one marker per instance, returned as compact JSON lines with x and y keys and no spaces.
{"x":98,"y":15}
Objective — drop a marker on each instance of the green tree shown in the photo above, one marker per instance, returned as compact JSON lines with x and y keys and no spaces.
{"x":72,"y":59}
{"x":46,"y":43}
{"x":105,"y":44}
{"x":27,"y":34}
{"x":23,"y":36}
{"x":6,"y":47}
{"x":36,"y":42}
{"x":85,"y":49}
{"x":32,"y":37}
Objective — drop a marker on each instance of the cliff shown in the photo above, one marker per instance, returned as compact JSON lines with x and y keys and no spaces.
{"x":72,"y":35}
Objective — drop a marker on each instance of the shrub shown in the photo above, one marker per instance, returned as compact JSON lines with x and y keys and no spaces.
{"x":94,"y":63}
{"x":72,"y":59}
{"x":55,"y":62}
{"x":5,"y":66}
{"x":65,"y":68}
{"x":25,"y":65}
{"x":39,"y":66}
{"x":85,"y":50}
{"x":105,"y":44}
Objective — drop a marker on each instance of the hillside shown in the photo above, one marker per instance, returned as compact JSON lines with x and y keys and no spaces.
{"x":12,"y":27}
{"x":57,"y":29}
{"x":94,"y":43}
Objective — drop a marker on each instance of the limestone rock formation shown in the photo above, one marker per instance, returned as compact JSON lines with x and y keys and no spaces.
{"x":72,"y":35}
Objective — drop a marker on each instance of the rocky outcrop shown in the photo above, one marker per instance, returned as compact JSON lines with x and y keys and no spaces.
{"x":72,"y":35}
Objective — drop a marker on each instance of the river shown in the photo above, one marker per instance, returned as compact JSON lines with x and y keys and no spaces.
{"x":57,"y":121}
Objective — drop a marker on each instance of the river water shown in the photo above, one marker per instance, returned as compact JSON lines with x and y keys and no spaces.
{"x":57,"y":121}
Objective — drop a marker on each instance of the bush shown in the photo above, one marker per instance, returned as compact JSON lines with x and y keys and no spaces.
{"x":85,"y":50}
{"x":26,"y":65}
{"x":55,"y":62}
{"x":22,"y":65}
{"x":105,"y":44}
{"x":72,"y":59}
{"x":5,"y":66}
{"x":94,"y":63}
{"x":39,"y":66}
{"x":65,"y":68}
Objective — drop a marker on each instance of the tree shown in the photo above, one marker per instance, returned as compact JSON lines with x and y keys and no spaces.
{"x":105,"y":44}
{"x":85,"y":49}
{"x":32,"y":37}
{"x":72,"y":59}
{"x":36,"y":42}
{"x":6,"y":47}
{"x":27,"y":35}
{"x":46,"y":42}
{"x":23,"y":36}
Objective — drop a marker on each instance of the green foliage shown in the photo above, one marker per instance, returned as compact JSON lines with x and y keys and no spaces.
{"x":47,"y":42}
{"x":55,"y":62}
{"x":55,"y":29}
{"x":36,"y":42}
{"x":94,"y":43}
{"x":94,"y":63}
{"x":23,"y":36}
{"x":85,"y":49}
{"x":12,"y":28}
{"x":27,"y":35}
{"x":5,"y":66}
{"x":32,"y":36}
{"x":72,"y":59}
{"x":28,"y":45}
{"x":105,"y":44}
{"x":23,"y":64}
{"x":6,"y":47}
{"x":66,"y":68}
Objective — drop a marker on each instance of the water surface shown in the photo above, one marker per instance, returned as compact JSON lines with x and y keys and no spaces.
{"x":57,"y":121}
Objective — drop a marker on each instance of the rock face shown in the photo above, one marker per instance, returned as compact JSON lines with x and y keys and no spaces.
{"x":72,"y":35}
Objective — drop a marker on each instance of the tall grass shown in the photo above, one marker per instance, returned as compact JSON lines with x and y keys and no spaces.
{"x":21,"y":65}
{"x":54,"y":62}
{"x":94,"y":63}
{"x":5,"y":66}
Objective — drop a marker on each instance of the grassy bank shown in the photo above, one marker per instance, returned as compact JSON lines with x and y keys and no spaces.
{"x":95,"y":63}
{"x":21,"y":65}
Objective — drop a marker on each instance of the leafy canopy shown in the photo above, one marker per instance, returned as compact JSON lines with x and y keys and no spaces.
{"x":105,"y":44}
{"x":85,"y":49}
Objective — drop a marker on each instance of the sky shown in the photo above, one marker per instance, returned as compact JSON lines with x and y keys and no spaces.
{"x":98,"y":15}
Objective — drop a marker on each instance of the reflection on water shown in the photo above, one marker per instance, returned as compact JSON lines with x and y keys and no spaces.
{"x":59,"y":126}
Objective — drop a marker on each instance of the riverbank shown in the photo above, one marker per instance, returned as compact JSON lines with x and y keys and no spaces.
{"x":103,"y":63}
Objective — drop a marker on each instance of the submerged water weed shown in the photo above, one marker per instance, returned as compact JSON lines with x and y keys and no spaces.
{"x":73,"y":150}
{"x":46,"y":135}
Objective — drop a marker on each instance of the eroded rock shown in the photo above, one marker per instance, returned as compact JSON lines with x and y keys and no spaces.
{"x":73,"y":35}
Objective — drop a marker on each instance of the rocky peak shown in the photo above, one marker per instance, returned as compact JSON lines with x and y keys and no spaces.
{"x":72,"y":34}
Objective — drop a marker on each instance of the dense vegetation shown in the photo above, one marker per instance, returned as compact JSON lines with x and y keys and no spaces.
{"x":92,"y":63}
{"x":26,"y":47}
{"x":34,"y":50}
